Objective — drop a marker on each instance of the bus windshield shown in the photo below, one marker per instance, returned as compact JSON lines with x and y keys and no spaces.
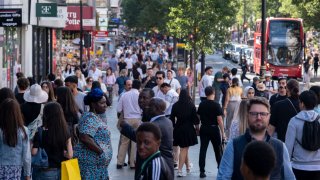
{"x":284,"y":43}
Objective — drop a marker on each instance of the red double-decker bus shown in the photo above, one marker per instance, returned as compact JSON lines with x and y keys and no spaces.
{"x":284,"y":47}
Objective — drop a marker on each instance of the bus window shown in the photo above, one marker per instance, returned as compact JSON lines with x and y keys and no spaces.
{"x":284,"y":44}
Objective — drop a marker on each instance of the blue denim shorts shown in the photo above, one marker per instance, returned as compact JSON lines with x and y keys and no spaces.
{"x":47,"y":173}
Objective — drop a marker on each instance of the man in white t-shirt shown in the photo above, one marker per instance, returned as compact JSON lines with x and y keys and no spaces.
{"x":154,"y":55}
{"x":206,"y":81}
{"x":170,"y":97}
{"x":169,"y":67}
{"x":95,"y":73}
{"x":134,"y":57}
{"x":129,"y":62}
{"x":174,"y":83}
{"x":160,"y":76}
{"x":271,"y":86}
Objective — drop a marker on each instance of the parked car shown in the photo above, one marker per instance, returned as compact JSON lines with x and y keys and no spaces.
{"x":248,"y":54}
{"x":235,"y":54}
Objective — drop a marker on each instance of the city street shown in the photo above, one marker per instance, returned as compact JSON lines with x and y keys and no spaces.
{"x":211,"y":166}
{"x":217,"y":62}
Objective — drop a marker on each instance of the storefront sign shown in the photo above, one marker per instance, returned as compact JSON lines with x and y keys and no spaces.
{"x":101,"y":39}
{"x":89,"y":22}
{"x":46,"y":10}
{"x":103,"y":22}
{"x":113,"y":25}
{"x":100,"y":33}
{"x":10,"y":17}
{"x":112,"y":33}
{"x":73,"y":17}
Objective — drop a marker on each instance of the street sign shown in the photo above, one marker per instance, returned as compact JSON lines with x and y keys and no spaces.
{"x":103,"y":22}
{"x":181,"y":45}
{"x":116,"y":20}
{"x":89,"y":22}
{"x":46,"y":10}
{"x":112,"y":25}
{"x":10,"y":17}
{"x":112,"y":33}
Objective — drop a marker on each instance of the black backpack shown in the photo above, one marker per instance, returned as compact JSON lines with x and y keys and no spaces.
{"x":311,"y":135}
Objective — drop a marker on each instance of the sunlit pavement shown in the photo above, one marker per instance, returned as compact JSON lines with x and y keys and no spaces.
{"x":211,"y":166}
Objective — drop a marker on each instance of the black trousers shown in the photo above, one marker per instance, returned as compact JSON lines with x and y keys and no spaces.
{"x":207,"y":134}
{"x":303,"y":175}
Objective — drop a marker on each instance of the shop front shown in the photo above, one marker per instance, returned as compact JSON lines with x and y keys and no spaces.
{"x":44,"y":38}
{"x":10,"y":46}
{"x":69,"y":41}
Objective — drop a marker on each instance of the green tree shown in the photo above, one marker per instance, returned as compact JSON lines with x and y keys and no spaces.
{"x":144,"y":15}
{"x":206,"y":20}
{"x":308,"y":10}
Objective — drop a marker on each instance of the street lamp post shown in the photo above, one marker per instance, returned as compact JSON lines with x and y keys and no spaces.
{"x":244,"y":21}
{"x":263,"y":44}
{"x":81,"y":33}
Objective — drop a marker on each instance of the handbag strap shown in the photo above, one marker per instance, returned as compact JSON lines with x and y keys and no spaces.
{"x":40,"y":130}
{"x":292,"y":105}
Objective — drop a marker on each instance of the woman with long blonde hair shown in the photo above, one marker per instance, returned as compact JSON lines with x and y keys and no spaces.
{"x":233,"y":98}
{"x":239,"y":123}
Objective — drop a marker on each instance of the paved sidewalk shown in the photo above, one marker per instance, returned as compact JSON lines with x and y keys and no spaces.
{"x":127,"y":173}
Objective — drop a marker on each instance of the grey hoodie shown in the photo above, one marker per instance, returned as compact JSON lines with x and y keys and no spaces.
{"x":301,"y":159}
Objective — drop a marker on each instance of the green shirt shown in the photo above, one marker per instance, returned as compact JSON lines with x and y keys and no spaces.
{"x":216,"y":84}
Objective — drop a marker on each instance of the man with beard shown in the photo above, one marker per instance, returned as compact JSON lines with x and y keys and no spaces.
{"x":155,"y":110}
{"x":282,"y":92}
{"x":258,"y":120}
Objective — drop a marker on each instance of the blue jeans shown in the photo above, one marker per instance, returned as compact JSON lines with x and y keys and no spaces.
{"x":47,"y":174}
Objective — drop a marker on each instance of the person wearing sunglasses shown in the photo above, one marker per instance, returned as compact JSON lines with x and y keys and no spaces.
{"x":160,"y":75}
{"x":282,"y":92}
{"x":258,"y":120}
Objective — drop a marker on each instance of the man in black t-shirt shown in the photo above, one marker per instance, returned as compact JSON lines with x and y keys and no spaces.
{"x":282,"y":92}
{"x":283,"y":111}
{"x":149,"y":81}
{"x":122,"y":64}
{"x":212,"y":128}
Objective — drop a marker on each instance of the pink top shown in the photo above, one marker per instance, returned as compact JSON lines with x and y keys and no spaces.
{"x":109,"y":80}
{"x":190,"y":79}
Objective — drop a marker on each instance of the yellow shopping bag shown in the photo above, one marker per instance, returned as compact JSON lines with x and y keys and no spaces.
{"x":70,"y":170}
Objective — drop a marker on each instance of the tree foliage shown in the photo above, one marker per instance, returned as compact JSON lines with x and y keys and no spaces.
{"x":144,"y":15}
{"x":207,"y":20}
{"x":308,"y":10}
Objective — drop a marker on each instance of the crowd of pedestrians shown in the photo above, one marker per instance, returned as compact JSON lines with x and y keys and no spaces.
{"x":65,"y":116}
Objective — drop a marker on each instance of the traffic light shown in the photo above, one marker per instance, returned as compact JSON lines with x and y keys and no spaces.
{"x":87,"y":40}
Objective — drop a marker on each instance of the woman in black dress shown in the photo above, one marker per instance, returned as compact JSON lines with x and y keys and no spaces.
{"x":316,"y":64}
{"x":186,"y":125}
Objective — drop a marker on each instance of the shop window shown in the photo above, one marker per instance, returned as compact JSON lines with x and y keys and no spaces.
{"x":11,"y":55}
